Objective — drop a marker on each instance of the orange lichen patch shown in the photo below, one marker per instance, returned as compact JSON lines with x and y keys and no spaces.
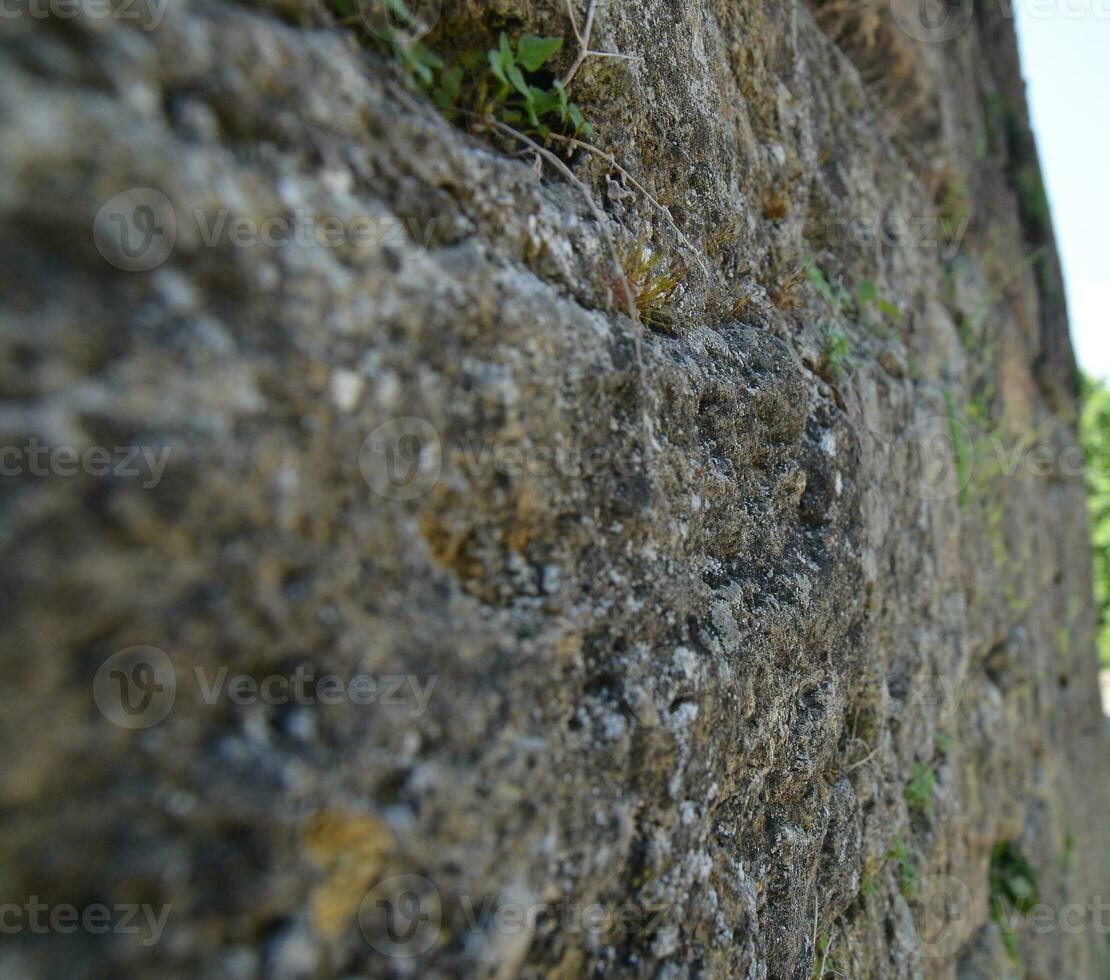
{"x":351,"y":850}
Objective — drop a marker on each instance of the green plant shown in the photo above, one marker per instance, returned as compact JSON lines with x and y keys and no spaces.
{"x":944,"y":742}
{"x":866,"y":293}
{"x":1013,"y":889}
{"x":1094,"y":433}
{"x":395,"y":29}
{"x":517,"y":99}
{"x":1067,"y":855}
{"x":840,"y":303}
{"x":785,"y":293}
{"x":654,"y":280}
{"x":961,"y":449}
{"x":950,"y":197}
{"x":900,"y":854}
{"x":1013,"y":878}
{"x":824,"y":963}
{"x":501,"y":82}
{"x":836,"y":297}
{"x":836,"y":354}
{"x":919,"y":790}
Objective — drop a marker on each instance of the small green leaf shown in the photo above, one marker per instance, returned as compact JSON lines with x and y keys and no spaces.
{"x":866,"y":291}
{"x":447,"y":92}
{"x":887,"y":307}
{"x":471,"y":60}
{"x":517,"y":78}
{"x":545,"y":102}
{"x":562,"y":95}
{"x":398,"y":9}
{"x":532,"y":51}
{"x":499,"y":62}
{"x":580,"y":124}
{"x":427,"y":56}
{"x":421,"y":63}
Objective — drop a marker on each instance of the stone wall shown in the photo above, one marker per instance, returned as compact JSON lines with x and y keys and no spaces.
{"x":743,"y":638}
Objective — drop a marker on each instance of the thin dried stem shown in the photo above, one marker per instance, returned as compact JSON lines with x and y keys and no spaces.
{"x":583,"y":39}
{"x":574,"y":24}
{"x":558,"y":164}
{"x":816,"y":917}
{"x":867,"y":758}
{"x":612,"y":161}
{"x":825,"y":955}
{"x":618,"y":269}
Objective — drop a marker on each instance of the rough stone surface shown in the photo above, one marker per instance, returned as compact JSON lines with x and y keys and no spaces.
{"x":690,"y":606}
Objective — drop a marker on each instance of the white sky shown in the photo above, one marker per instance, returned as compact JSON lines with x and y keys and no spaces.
{"x":1065,"y":49}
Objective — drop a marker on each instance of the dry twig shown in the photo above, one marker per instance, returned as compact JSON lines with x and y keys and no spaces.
{"x":583,"y":38}
{"x":612,"y":161}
